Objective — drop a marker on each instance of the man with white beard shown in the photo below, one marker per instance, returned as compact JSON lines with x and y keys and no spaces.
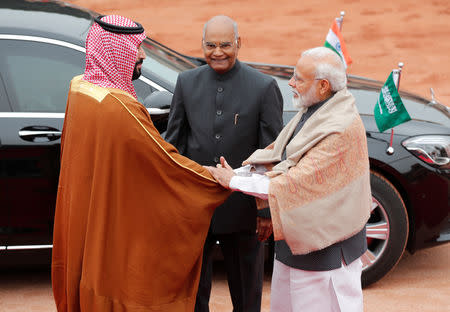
{"x":315,"y":178}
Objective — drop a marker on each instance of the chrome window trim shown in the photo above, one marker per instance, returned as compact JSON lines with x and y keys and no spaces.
{"x":26,"y":247}
{"x":151,"y":110}
{"x":31,"y":115}
{"x":149,"y":82}
{"x":70,"y":46}
{"x":44,"y":40}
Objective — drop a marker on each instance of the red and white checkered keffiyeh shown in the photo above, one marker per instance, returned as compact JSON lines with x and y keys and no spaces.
{"x":111,"y":57}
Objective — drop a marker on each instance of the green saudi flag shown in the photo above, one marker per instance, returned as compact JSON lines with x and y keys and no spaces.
{"x":389,"y":111}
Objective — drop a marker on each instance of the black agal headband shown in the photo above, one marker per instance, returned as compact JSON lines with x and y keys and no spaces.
{"x":119,"y":29}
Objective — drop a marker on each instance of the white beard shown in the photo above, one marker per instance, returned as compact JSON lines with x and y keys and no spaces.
{"x":305,"y":100}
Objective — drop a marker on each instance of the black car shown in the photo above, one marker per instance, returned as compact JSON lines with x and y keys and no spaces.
{"x":42,"y":48}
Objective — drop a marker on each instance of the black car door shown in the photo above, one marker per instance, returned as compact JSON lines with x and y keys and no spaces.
{"x":4,"y":205}
{"x":36,"y":74}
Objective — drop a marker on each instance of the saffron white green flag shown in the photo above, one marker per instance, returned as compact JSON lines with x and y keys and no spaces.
{"x":390,"y":111}
{"x":335,"y":42}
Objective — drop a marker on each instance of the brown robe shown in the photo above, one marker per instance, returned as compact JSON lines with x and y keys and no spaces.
{"x":131,"y":215}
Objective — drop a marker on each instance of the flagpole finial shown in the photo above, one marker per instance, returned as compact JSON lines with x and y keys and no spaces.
{"x":340,"y":20}
{"x":400,"y":65}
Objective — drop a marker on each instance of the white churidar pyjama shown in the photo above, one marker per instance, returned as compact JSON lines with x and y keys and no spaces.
{"x":295,"y":290}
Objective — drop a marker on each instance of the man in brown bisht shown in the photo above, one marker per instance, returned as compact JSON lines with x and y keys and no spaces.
{"x":124,"y":238}
{"x":315,"y":177}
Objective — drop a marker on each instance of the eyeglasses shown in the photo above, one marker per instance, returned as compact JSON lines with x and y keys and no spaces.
{"x":224,"y":46}
{"x":297,"y":79}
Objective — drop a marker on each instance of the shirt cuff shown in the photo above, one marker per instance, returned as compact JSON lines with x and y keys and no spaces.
{"x":256,"y":185}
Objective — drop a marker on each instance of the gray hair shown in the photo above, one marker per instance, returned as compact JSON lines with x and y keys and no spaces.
{"x":235,"y":26}
{"x":328,"y":66}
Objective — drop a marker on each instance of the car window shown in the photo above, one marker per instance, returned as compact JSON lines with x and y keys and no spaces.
{"x":142,"y":90}
{"x":162,"y":63}
{"x":286,"y":92}
{"x":37,"y":75}
{"x":4,"y":102}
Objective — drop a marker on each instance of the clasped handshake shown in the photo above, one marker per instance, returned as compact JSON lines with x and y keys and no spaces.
{"x":222,"y":172}
{"x":256,"y":185}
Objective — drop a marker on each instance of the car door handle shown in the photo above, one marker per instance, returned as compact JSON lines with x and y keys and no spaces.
{"x":27,"y":133}
{"x":39,"y":134}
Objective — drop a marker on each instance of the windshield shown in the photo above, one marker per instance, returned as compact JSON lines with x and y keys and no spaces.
{"x":163,"y":63}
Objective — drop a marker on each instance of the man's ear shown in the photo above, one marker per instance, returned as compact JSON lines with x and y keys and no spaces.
{"x":239,"y":42}
{"x":202,"y":44}
{"x":325,"y":87}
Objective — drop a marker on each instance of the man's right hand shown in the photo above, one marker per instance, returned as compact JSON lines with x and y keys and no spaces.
{"x":223,"y":173}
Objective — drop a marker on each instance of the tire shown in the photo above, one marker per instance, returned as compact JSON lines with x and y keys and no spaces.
{"x":387,"y":230}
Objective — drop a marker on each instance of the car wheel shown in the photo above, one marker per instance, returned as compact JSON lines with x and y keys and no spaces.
{"x":387,"y":230}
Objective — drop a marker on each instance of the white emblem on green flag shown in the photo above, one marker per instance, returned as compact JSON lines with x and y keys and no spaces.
{"x":390,"y":111}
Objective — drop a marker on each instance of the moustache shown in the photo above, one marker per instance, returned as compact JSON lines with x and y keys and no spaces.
{"x":296,"y":92}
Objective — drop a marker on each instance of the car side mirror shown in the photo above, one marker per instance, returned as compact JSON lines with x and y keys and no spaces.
{"x":158,"y":99}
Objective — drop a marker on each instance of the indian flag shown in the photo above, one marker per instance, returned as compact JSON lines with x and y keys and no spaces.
{"x":335,"y":42}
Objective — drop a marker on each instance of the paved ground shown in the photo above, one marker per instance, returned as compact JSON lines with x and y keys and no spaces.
{"x":420,"y":282}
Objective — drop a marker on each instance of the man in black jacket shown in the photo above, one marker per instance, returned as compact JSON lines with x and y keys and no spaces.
{"x":229,"y":109}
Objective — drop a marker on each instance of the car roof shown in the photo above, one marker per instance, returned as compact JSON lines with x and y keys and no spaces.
{"x":54,"y":19}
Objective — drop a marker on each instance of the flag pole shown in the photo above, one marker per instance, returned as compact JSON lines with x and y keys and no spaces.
{"x":397,"y":73}
{"x":400,"y":67}
{"x":340,"y":20}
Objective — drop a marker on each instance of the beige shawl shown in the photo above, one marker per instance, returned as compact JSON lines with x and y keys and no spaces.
{"x":320,"y":194}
